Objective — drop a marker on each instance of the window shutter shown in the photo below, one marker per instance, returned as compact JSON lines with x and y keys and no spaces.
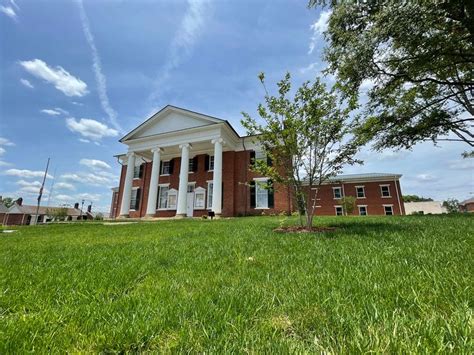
{"x":140,"y":173}
{"x":171,"y":166}
{"x":271,"y":198}
{"x":137,"y":201}
{"x":222,"y":196}
{"x":252,"y":158}
{"x":158,"y":198}
{"x":206,"y":167}
{"x":161,"y":167}
{"x":252,"y":194}
{"x":195,"y":164}
{"x":269,"y":161}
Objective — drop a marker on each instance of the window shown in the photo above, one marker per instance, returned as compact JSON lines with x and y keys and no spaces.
{"x":362,"y":210}
{"x":199,"y":198}
{"x":172,"y":199}
{"x":190,"y":187}
{"x":385,"y":190}
{"x":388,"y":210}
{"x":137,"y":171}
{"x":210,"y":186}
{"x":210,"y":167}
{"x":163,"y":197}
{"x":261,"y":194}
{"x":360,"y":192}
{"x":337,"y":191}
{"x":166,"y":168}
{"x":191,"y":166}
{"x":260,"y":155}
{"x":339,"y":211}
{"x":135,"y":199}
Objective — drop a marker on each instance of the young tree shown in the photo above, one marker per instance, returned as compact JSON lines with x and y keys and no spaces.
{"x":419,"y":56}
{"x":415,"y":198}
{"x":348,"y":204}
{"x":307,"y":137}
{"x":7,"y":201}
{"x":452,"y":205}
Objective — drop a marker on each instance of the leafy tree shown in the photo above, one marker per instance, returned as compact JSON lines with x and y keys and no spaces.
{"x":348,"y":204}
{"x":7,"y":201}
{"x":415,"y":198}
{"x":452,"y":205}
{"x":307,"y":137}
{"x":420,"y":57}
{"x":99,"y":217}
{"x":58,"y":214}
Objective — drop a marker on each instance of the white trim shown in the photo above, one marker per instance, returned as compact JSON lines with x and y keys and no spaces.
{"x":334,"y":195}
{"x":335,"y":210}
{"x":363,"y":190}
{"x":366,"y":210}
{"x":260,"y":180}
{"x":208,"y":197}
{"x":389,"y":191}
{"x":385,"y":212}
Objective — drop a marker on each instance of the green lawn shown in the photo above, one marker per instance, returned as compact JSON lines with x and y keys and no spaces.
{"x":383,"y":284}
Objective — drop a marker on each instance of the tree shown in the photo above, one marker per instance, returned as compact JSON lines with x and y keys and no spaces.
{"x":58,"y":214}
{"x":307,"y":137}
{"x":415,"y":198}
{"x":7,"y":201}
{"x":452,"y":205}
{"x":419,"y":56}
{"x":348,"y":204}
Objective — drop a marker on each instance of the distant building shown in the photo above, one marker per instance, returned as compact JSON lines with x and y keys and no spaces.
{"x":425,"y":207}
{"x":20,"y":214}
{"x":467,"y":205}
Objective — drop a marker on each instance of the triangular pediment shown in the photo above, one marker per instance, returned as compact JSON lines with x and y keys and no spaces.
{"x":170,"y":119}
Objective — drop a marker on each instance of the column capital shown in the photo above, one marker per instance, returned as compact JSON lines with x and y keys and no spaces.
{"x":218,"y":140}
{"x":185,"y":145}
{"x":131,"y":154}
{"x":156,"y":149}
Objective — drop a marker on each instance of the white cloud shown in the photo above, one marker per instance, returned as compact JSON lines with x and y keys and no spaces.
{"x":462,"y":164}
{"x":25,"y":183}
{"x":26,"y":174}
{"x":2,"y":151}
{"x":319,"y":27}
{"x":90,"y":129}
{"x":84,"y":140}
{"x":14,"y":4}
{"x":95,"y":164}
{"x":64,"y":186}
{"x":187,"y":34}
{"x":89,"y":178}
{"x":426,"y":177}
{"x":77,"y":198}
{"x":51,"y":112}
{"x":68,"y":84}
{"x":77,"y":103}
{"x":8,"y":10}
{"x":309,"y":68}
{"x":97,"y":67}
{"x":6,"y":142}
{"x":27,"y":83}
{"x":4,"y":163}
{"x":30,"y":187}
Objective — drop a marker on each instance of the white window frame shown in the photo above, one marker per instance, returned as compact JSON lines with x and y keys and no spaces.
{"x":389,"y":191}
{"x":163,"y":167}
{"x":260,"y":155}
{"x":210,"y":188}
{"x":316,"y":194}
{"x":159,"y":196}
{"x":190,"y":166}
{"x":334,"y":192}
{"x":335,"y":210}
{"x":385,"y":212}
{"x":211,"y":161}
{"x":172,"y":192}
{"x":366,"y":210}
{"x":200,"y":191}
{"x":131,"y":197}
{"x":134,"y":170}
{"x":258,"y":183}
{"x":363,"y":191}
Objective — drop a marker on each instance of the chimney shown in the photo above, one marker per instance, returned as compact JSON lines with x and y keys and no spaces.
{"x":89,"y":208}
{"x":19,"y":202}
{"x":76,"y":205}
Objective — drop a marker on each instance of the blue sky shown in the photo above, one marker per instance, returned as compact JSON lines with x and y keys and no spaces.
{"x":78,"y":75}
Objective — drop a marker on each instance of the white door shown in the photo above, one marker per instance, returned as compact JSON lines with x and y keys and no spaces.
{"x":190,"y":204}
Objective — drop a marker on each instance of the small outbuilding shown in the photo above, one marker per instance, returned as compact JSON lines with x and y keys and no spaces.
{"x":467,"y":205}
{"x":425,"y":207}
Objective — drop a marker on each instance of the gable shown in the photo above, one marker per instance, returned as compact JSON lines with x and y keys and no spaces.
{"x":170,"y":119}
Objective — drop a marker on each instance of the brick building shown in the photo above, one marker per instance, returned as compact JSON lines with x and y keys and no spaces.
{"x":179,"y":150}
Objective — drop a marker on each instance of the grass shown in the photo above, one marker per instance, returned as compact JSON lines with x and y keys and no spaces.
{"x":396,"y":284}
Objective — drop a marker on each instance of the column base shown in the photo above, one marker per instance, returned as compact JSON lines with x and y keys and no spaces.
{"x":180,"y":215}
{"x":217,"y":216}
{"x":149,"y":216}
{"x":123,"y":216}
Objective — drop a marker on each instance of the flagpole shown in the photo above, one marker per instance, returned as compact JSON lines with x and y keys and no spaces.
{"x":41,"y":192}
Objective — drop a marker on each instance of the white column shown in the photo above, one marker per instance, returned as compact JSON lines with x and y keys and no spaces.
{"x":183,"y":180}
{"x":127,"y":188}
{"x":217,"y":180}
{"x":153,"y":190}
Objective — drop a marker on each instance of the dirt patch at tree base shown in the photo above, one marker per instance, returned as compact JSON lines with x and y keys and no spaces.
{"x":300,"y":229}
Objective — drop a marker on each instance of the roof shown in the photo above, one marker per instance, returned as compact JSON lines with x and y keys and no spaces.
{"x":364,"y":177}
{"x":465,"y":202}
{"x":3,"y":208}
{"x":29,"y":209}
{"x":175,"y":108}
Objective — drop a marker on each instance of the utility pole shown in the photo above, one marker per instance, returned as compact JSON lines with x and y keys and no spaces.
{"x":41,"y":192}
{"x":82,"y":206}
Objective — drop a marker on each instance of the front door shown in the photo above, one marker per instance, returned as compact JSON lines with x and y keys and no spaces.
{"x":190,"y":204}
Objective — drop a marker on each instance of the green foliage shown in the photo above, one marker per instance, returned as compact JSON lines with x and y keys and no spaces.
{"x":415,"y":198}
{"x":7,"y":201}
{"x":452,"y":205}
{"x":308,"y":138}
{"x":419,"y":55}
{"x":348,"y":204}
{"x":59,"y":213}
{"x":375,"y":285}
{"x":99,"y":217}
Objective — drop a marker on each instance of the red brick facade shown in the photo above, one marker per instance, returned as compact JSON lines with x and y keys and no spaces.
{"x":236,"y":177}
